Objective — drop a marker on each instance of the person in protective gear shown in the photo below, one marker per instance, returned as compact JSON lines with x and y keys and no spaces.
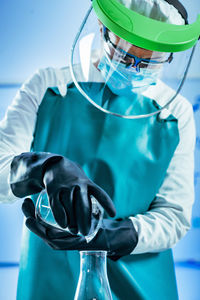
{"x":109,"y":127}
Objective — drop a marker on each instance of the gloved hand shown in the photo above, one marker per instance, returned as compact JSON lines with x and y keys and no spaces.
{"x":117,"y":237}
{"x":68,"y":188}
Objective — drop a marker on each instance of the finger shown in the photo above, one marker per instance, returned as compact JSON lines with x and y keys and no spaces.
{"x":64,"y":198}
{"x":83,"y":210}
{"x":58,"y":210}
{"x":36,"y":227}
{"x":68,"y":203}
{"x":103,"y":198}
{"x":28,"y":208}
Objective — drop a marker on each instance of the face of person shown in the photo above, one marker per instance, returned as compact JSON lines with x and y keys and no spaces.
{"x":132,"y":49}
{"x":127,"y":47}
{"x":122,"y":51}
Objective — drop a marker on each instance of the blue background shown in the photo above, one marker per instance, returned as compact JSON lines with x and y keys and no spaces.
{"x":37,"y":34}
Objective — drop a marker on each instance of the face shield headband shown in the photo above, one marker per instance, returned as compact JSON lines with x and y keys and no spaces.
{"x":145,"y":32}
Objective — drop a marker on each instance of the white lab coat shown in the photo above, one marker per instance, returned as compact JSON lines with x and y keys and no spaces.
{"x":169,"y":216}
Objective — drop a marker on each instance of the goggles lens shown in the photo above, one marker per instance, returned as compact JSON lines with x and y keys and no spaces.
{"x":131,"y":60}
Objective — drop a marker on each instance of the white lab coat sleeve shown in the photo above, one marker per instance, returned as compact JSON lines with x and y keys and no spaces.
{"x":17,"y":128}
{"x":169,"y":216}
{"x":18,"y":125}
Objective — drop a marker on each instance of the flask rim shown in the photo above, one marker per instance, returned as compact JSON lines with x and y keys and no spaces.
{"x":94,"y":252}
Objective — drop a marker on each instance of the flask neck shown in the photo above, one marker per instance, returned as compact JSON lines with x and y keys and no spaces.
{"x":94,"y":260}
{"x":93,"y":281}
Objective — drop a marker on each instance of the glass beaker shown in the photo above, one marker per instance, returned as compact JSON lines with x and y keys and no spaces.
{"x":93,"y":281}
{"x":44,"y":212}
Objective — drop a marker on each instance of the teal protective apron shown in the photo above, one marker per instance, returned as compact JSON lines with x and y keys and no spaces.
{"x":127,"y":158}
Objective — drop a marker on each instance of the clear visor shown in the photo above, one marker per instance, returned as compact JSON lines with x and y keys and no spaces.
{"x":122,"y":79}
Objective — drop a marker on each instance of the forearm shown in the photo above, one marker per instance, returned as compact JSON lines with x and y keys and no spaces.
{"x":159,"y":230}
{"x":6,"y":195}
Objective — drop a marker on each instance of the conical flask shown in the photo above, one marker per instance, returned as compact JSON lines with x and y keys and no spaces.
{"x":93,"y":281}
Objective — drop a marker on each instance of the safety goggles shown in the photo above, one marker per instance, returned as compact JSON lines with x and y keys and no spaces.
{"x":131,"y":60}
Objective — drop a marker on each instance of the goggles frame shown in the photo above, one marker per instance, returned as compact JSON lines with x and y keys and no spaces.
{"x":136,"y":60}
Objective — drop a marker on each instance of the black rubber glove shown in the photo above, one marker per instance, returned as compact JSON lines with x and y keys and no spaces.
{"x":68,"y":188}
{"x":117,"y":237}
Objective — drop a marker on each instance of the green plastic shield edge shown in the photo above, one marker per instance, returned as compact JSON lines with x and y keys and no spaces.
{"x":145,"y":32}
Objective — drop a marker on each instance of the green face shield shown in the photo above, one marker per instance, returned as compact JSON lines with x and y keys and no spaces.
{"x":129,"y":65}
{"x":145,"y":32}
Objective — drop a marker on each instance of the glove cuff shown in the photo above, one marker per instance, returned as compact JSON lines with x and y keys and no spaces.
{"x":27,"y":170}
{"x":124,"y":241}
{"x":117,"y":237}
